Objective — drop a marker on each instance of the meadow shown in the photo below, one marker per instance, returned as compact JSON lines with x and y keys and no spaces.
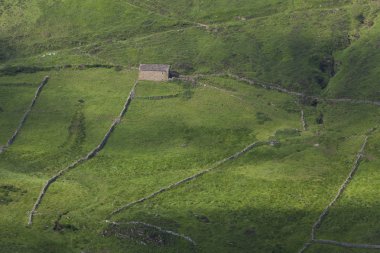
{"x":136,"y":194}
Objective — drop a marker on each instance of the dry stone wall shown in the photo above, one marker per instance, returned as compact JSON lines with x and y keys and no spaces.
{"x":317,"y":224}
{"x":183,"y":181}
{"x":347,"y":245}
{"x":355,"y":167}
{"x":25,"y":116}
{"x":90,"y":155}
{"x":271,"y":86}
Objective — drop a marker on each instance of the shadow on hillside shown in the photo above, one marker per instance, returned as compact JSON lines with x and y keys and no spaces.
{"x":7,"y":51}
{"x":264,"y":230}
{"x":248,"y":230}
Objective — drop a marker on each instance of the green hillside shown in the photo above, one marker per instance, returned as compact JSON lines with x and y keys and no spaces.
{"x":274,"y":119}
{"x":298,"y":44}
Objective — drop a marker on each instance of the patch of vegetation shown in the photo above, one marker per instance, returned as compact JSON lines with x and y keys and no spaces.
{"x":320,"y":119}
{"x":8,"y":193}
{"x":77,"y":129}
{"x":287,"y":133}
{"x":262,"y":118}
{"x":139,"y":234}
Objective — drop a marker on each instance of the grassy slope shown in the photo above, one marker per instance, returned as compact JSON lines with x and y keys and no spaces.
{"x":359,"y":69}
{"x":188,"y":140}
{"x":284,"y":42}
{"x":359,"y":204}
{"x":15,"y":97}
{"x":287,"y":42}
{"x":59,"y":130}
{"x":194,"y":132}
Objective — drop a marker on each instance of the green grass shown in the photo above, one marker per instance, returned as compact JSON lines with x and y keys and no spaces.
{"x":15,"y":96}
{"x":265,"y":201}
{"x":359,"y":204}
{"x":321,"y":47}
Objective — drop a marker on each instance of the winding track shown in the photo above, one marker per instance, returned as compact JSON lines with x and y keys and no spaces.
{"x":90,"y":155}
{"x":25,"y":116}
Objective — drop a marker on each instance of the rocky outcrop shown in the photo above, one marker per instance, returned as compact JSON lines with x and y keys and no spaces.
{"x":165,"y":231}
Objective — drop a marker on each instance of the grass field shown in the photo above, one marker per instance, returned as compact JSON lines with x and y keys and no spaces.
{"x":265,"y":200}
{"x":320,"y":47}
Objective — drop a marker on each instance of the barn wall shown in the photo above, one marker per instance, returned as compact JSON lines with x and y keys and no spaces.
{"x":153,"y":76}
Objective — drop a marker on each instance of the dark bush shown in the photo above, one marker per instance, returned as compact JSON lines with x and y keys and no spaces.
{"x":262,"y":118}
{"x":173,"y":74}
{"x":319,"y":119}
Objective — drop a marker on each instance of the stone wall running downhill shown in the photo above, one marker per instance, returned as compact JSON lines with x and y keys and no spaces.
{"x":317,"y":224}
{"x":174,"y":185}
{"x":87,"y":157}
{"x":355,"y":167}
{"x":25,"y":116}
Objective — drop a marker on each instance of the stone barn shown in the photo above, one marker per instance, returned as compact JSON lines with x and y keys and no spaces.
{"x":154,"y":72}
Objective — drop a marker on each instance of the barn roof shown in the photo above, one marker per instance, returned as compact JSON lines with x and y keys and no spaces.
{"x":154,"y":67}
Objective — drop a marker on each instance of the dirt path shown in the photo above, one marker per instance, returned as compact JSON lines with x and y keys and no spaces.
{"x":90,"y":155}
{"x":188,"y":179}
{"x":317,"y":224}
{"x":25,"y":116}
